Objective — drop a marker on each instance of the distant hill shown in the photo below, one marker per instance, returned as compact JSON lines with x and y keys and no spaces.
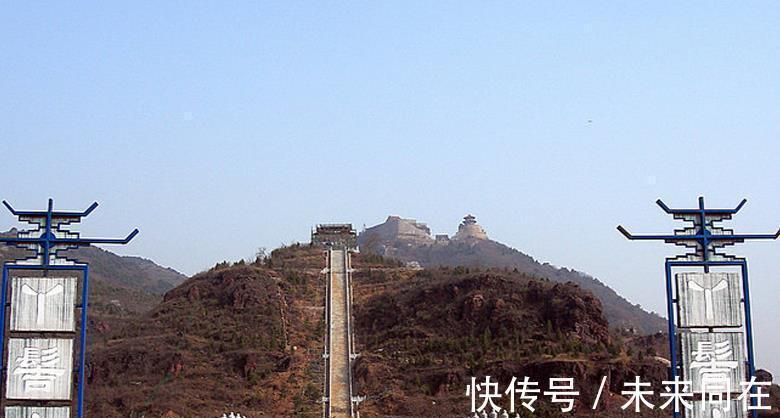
{"x":128,"y":271}
{"x":118,"y":284}
{"x":411,"y":242}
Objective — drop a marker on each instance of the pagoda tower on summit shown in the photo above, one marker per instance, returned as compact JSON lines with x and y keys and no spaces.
{"x":469,"y":229}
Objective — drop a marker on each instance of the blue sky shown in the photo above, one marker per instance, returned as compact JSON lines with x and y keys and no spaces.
{"x":217,"y":128}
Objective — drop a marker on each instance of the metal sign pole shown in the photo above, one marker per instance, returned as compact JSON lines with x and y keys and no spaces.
{"x":708,"y":304}
{"x":42,"y":366}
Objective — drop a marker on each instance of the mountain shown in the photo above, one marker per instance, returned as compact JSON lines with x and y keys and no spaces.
{"x":130,"y":271}
{"x":249,"y":338}
{"x":411,"y":242}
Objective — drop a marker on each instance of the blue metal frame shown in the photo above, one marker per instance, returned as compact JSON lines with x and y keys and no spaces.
{"x":671,"y":312}
{"x":47,"y":243}
{"x":706,"y":245}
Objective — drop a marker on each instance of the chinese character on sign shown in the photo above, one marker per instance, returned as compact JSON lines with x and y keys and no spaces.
{"x":710,"y":299}
{"x":712,"y":361}
{"x":38,"y":368}
{"x":43,"y":304}
{"x":40,"y":314}
{"x":708,"y":293}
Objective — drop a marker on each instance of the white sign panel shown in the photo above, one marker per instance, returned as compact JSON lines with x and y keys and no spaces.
{"x":709,"y":299}
{"x":43,"y":304}
{"x":39,"y":368}
{"x":713,"y":361}
{"x":716,"y":409}
{"x":37,"y":412}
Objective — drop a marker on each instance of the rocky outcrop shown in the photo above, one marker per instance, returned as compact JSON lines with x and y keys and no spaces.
{"x":399,"y":229}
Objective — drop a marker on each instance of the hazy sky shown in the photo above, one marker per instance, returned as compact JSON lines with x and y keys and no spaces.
{"x":217,"y":129}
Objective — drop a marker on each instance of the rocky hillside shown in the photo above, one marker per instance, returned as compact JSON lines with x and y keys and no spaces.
{"x":249,"y":338}
{"x":423,"y":334}
{"x":411,"y":242}
{"x":238,"y":337}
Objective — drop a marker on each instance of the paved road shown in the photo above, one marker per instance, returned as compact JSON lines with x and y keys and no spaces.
{"x":340,"y":396}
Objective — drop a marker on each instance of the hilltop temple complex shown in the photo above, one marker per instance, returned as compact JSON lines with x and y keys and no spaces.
{"x":412,"y":232}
